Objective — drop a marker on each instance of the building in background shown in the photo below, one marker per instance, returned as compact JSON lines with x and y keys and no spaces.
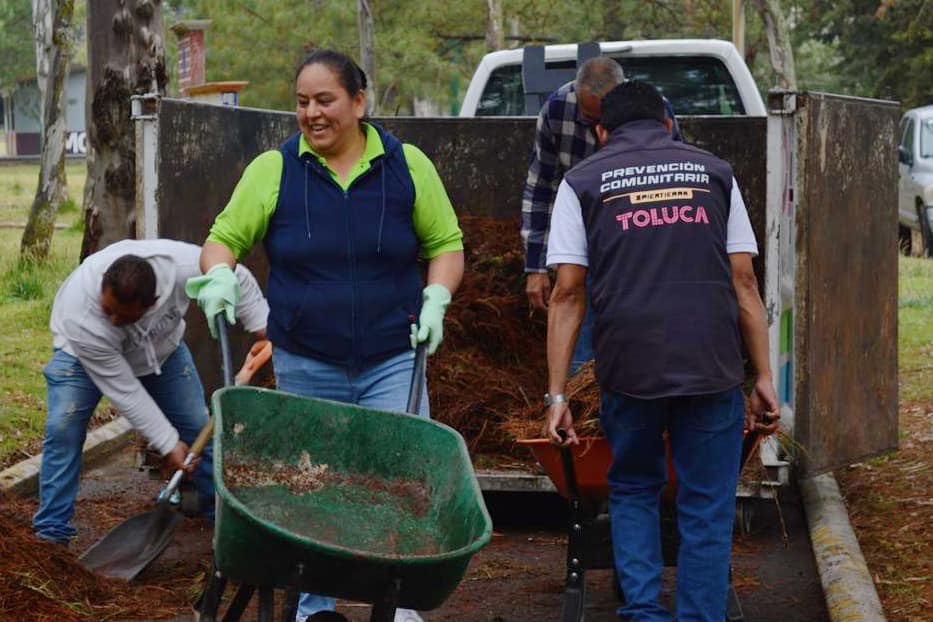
{"x":192,"y":54}
{"x":22,"y":126}
{"x":20,"y":119}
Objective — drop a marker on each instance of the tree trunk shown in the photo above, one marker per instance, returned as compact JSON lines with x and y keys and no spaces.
{"x":43,"y":14}
{"x":495,"y":36}
{"x":126,"y":56}
{"x":781,"y":50}
{"x":37,"y":237}
{"x":367,"y":29}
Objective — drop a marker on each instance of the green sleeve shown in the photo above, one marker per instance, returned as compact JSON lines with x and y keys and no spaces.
{"x":245,"y":219}
{"x":434,"y":218}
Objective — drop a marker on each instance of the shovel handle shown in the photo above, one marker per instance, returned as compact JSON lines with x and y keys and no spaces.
{"x":204,"y":436}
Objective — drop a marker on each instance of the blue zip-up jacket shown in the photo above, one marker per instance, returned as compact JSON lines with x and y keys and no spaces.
{"x":344,"y":282}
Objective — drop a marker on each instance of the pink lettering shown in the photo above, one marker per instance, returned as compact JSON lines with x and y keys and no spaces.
{"x":641,"y":218}
{"x":624,"y":218}
{"x":655,"y":221}
{"x":683,"y":213}
{"x":701,"y":215}
{"x":672,"y":218}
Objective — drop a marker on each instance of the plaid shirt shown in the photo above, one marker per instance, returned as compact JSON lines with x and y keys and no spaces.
{"x":562,"y":139}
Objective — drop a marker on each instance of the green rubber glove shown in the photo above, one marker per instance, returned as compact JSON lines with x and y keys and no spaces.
{"x":430,"y":327}
{"x":218,"y":291}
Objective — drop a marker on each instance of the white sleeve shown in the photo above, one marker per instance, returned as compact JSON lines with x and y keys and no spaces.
{"x":740,"y":238}
{"x":112,"y":375}
{"x":567,"y":238}
{"x":252,"y":311}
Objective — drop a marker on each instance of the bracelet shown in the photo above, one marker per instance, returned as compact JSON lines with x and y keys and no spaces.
{"x":549,"y":399}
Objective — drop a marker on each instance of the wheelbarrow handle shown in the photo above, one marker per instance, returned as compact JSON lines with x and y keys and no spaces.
{"x":226,"y":358}
{"x":417,"y":378}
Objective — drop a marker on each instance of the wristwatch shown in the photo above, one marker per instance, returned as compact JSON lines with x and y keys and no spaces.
{"x":554,"y":399}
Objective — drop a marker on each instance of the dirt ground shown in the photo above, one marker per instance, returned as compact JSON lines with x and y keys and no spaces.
{"x":890,"y":503}
{"x":518,"y":577}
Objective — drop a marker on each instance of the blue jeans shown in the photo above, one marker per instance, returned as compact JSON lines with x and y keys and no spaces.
{"x":384,"y":386}
{"x":706,"y":439}
{"x":72,"y":398}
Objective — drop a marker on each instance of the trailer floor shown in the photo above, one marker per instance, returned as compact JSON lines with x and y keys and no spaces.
{"x":518,"y":577}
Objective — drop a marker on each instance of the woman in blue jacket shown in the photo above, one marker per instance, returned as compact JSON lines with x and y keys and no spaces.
{"x":344,"y":210}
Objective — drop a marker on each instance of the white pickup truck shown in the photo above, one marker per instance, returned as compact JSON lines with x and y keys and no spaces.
{"x":698,"y":76}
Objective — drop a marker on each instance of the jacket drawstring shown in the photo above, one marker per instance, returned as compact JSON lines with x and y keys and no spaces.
{"x":382,"y":214}
{"x":307,"y":203}
{"x":152,"y":361}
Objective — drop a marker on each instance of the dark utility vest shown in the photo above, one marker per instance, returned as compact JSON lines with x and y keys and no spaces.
{"x":655,"y":213}
{"x":344,"y":281}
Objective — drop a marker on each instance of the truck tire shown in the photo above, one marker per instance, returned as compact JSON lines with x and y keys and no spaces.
{"x":904,"y":238}
{"x":925,"y":233}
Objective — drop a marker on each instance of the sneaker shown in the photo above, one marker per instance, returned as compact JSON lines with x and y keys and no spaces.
{"x":407,"y":615}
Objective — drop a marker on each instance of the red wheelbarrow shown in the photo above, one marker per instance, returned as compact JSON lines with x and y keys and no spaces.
{"x":580,"y":474}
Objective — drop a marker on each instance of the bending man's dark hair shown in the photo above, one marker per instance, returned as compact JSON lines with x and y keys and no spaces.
{"x":348,"y":73}
{"x":631,"y":101}
{"x":131,"y":279}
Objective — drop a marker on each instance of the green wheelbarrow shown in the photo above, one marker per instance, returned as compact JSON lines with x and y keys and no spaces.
{"x":332,"y":498}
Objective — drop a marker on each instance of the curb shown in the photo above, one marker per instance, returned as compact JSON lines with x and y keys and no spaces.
{"x":23,"y":477}
{"x":847,"y":584}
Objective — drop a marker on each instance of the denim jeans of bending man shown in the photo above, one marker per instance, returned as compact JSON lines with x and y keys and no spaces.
{"x":72,"y":398}
{"x":383,"y":386}
{"x":706,"y":442}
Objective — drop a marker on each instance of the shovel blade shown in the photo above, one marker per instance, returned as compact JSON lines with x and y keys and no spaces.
{"x":132,"y":545}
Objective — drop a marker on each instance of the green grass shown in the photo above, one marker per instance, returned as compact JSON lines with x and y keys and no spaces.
{"x":26,"y":292}
{"x":915,"y":329}
{"x":18,"y":188}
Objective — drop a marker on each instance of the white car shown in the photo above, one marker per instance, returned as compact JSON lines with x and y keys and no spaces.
{"x":915,"y":186}
{"x":698,"y":76}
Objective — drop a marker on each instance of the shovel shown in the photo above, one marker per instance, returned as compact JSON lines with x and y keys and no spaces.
{"x":132,"y":545}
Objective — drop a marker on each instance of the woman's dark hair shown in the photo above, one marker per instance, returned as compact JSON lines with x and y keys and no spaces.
{"x":348,"y":73}
{"x":131,"y":279}
{"x":631,"y":101}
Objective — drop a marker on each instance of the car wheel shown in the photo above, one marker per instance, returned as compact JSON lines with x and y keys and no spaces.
{"x":925,"y":233}
{"x":904,"y":238}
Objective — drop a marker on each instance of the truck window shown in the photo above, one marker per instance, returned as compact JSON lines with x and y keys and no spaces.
{"x":695,"y":85}
{"x":504,"y":94}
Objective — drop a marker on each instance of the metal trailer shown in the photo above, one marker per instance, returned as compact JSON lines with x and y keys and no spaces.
{"x":819,"y":177}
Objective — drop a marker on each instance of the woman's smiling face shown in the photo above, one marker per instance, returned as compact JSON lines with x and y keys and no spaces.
{"x":328,"y":115}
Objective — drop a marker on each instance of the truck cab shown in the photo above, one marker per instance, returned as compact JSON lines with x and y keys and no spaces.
{"x":698,"y":76}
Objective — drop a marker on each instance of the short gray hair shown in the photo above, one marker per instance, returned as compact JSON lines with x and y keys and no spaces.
{"x":599,"y":76}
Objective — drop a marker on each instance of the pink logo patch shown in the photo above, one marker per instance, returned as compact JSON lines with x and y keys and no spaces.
{"x":659,"y":217}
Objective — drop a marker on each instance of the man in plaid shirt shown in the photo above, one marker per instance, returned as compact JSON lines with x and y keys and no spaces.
{"x":565,"y":135}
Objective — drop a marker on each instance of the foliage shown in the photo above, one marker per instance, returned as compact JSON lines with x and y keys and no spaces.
{"x":885,"y":47}
{"x":16,"y":43}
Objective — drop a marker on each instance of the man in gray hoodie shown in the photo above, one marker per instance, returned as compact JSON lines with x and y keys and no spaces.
{"x":117,"y":330}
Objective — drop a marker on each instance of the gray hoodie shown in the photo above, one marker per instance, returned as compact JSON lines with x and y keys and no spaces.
{"x":115,"y":357}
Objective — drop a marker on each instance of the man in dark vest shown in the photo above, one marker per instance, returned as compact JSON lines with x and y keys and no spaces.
{"x":663,"y":231}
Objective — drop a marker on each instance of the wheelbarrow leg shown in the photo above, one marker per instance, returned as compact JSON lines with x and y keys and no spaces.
{"x":575,"y":593}
{"x":209,"y":601}
{"x":384,"y":610}
{"x":266,"y":604}
{"x":240,"y":600}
